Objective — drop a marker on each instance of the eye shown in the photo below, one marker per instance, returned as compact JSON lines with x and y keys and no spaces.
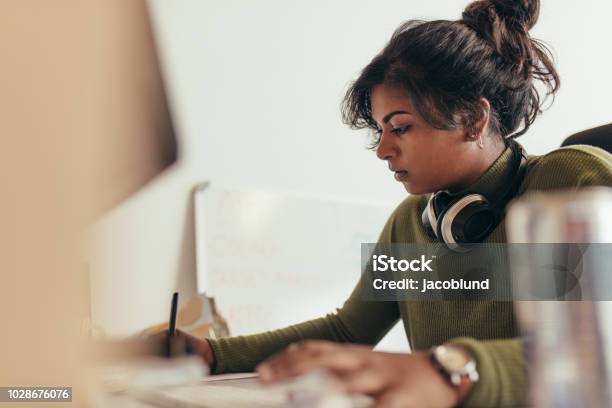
{"x":401,"y":130}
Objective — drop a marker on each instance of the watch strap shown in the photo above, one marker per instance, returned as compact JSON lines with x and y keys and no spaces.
{"x":462,"y":383}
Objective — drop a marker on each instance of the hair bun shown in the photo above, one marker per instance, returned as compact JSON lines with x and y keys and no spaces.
{"x":516,"y":13}
{"x":519,"y":15}
{"x":505,"y":25}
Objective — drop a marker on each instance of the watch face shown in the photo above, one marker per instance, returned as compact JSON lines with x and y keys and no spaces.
{"x":453,"y":359}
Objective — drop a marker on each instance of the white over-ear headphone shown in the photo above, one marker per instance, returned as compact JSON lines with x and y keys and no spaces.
{"x":460,"y":221}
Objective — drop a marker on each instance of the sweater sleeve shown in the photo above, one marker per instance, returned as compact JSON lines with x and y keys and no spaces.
{"x":502,"y":370}
{"x":570,"y":167}
{"x":357,"y":321}
{"x":500,"y":362}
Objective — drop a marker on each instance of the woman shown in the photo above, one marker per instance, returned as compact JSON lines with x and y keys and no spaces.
{"x":445,"y":99}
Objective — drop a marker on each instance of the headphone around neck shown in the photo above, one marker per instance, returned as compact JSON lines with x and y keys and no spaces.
{"x":460,"y":221}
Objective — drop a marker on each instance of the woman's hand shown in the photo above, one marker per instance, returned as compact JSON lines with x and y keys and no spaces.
{"x":184,"y":343}
{"x":394,"y":380}
{"x":199,"y":346}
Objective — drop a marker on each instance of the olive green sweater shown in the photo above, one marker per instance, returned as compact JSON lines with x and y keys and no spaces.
{"x":488,"y":328}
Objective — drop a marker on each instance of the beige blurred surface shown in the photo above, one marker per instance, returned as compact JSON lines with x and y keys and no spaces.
{"x":83,"y":125}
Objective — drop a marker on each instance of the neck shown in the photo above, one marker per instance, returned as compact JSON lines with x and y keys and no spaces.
{"x":486,"y":158}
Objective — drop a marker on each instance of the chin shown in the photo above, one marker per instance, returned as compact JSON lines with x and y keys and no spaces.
{"x":415,"y":188}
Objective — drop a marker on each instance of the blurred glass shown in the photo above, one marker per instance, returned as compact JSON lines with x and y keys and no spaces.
{"x":567,"y":342}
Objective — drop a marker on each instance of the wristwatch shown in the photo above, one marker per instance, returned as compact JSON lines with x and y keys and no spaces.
{"x":457,"y":365}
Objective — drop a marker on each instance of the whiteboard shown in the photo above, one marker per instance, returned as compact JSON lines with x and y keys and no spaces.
{"x":273,"y":259}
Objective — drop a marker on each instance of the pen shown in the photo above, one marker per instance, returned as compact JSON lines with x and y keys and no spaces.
{"x":172,"y":324}
{"x":171,"y":336}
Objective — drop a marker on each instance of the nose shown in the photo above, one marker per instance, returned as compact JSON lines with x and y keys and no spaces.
{"x":386,"y":148}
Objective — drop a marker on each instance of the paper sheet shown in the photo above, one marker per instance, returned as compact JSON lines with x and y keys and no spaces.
{"x":226,"y":377}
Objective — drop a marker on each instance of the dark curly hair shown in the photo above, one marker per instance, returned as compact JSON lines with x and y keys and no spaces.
{"x":445,"y":67}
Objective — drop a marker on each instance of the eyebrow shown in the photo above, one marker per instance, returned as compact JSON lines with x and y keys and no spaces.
{"x":389,"y":115}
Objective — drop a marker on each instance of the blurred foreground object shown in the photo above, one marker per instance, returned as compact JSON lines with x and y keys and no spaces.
{"x":84,"y":125}
{"x":567,"y":343}
{"x":134,"y":368}
{"x":314,"y":390}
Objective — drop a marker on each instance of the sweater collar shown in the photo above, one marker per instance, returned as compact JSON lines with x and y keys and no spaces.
{"x":497,"y":175}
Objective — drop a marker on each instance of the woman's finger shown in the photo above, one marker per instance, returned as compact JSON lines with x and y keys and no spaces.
{"x":283,"y":364}
{"x":363,"y":381}
{"x":398,"y":398}
{"x":301,"y":361}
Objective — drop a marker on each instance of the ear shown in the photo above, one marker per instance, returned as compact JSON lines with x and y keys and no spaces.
{"x":476,"y":127}
{"x":482,"y":122}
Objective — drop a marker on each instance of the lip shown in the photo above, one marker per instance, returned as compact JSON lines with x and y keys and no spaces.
{"x":401,"y":175}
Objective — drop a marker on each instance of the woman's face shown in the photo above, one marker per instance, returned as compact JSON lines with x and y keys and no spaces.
{"x":422,"y":158}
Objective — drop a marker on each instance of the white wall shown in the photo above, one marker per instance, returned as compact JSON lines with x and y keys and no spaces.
{"x":256,"y":87}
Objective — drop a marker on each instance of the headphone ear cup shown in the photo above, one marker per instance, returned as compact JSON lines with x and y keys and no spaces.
{"x":477,"y":221}
{"x":467,"y":221}
{"x":429,"y":219}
